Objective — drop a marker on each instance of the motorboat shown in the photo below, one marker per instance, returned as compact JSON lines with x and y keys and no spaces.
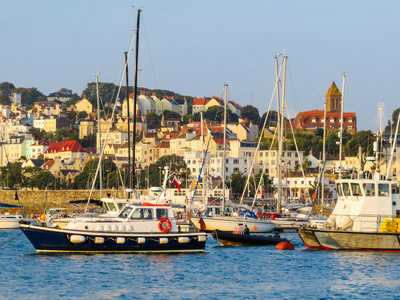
{"x":366,"y":217}
{"x":10,"y":221}
{"x":237,"y":238}
{"x":145,"y":227}
{"x":210,"y":218}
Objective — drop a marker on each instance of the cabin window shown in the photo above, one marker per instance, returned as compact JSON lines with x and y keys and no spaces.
{"x":369,"y":189}
{"x":383,"y":189}
{"x":125,"y":213}
{"x":395,"y":189}
{"x":148,"y":213}
{"x":162,"y":213}
{"x":355,"y":189}
{"x":346,"y":189}
{"x":137,"y":214}
{"x":111,"y":207}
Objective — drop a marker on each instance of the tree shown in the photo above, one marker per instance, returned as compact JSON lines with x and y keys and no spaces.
{"x":363,"y":139}
{"x":82,"y":114}
{"x":88,"y":141}
{"x":43,"y":180}
{"x":153,"y":118}
{"x":5,"y":100}
{"x":72,"y":115}
{"x":176,"y":165}
{"x":6,"y":86}
{"x":272,"y":118}
{"x":65,"y":91}
{"x":237,"y":181}
{"x":171,"y":114}
{"x":85,"y":179}
{"x":251,"y":113}
{"x":187,"y":118}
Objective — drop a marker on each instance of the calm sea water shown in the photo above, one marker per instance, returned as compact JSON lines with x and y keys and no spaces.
{"x":219,"y":273}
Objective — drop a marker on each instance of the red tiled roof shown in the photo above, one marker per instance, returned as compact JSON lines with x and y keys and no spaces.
{"x":314,"y":118}
{"x":66,"y":146}
{"x":200,"y":101}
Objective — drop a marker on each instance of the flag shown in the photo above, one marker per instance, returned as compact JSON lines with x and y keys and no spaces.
{"x":176,"y":184}
{"x":262,"y":184}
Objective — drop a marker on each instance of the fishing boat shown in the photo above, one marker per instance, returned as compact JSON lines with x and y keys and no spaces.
{"x":366,"y":217}
{"x":228,"y":238}
{"x":146,"y":227}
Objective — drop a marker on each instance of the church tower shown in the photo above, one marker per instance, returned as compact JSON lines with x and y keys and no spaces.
{"x":333,"y":99}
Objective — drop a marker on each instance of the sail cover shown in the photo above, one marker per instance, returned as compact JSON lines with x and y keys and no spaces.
{"x":9,"y":205}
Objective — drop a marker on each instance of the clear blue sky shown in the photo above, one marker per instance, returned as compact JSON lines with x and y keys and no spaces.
{"x":194,"y":47}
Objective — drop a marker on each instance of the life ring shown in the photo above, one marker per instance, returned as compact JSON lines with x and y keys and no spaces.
{"x":164,"y":225}
{"x":189,"y":215}
{"x":42,"y":217}
{"x":179,"y":215}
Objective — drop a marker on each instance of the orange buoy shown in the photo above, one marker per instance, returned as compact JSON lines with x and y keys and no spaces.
{"x":254,"y":227}
{"x":285,"y":246}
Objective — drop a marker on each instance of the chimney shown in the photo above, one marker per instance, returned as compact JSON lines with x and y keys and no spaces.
{"x":154,"y":94}
{"x":143,"y":93}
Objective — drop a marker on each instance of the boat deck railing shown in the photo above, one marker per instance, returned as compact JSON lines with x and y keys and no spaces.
{"x":369,"y":222}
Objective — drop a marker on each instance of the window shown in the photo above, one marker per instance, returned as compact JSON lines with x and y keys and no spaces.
{"x":162,"y":213}
{"x":260,"y":154}
{"x":332,"y":120}
{"x":355,"y":189}
{"x":383,"y":189}
{"x":346,"y":189}
{"x":314,"y":120}
{"x":339,"y":189}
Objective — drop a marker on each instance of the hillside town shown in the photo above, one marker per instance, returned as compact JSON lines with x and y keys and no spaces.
{"x":176,"y":132}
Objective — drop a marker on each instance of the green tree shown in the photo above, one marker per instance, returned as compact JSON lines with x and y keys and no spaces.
{"x":72,"y":115}
{"x":88,"y":141}
{"x":28,"y":174}
{"x":82,"y":114}
{"x":85,"y":179}
{"x":251,"y":113}
{"x":153,"y":118}
{"x":43,"y":180}
{"x":11,"y":175}
{"x":4,"y":100}
{"x":187,"y":118}
{"x":363,"y":139}
{"x":176,"y":165}
{"x":170,"y":114}
{"x":6,"y":87}
{"x":237,"y":181}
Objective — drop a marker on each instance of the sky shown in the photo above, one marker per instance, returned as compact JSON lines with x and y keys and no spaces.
{"x":195,"y":47}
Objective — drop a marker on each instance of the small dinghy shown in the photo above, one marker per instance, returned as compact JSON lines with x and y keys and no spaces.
{"x":228,"y":238}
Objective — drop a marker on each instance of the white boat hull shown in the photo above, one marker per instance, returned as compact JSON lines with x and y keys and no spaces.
{"x":231,"y":223}
{"x":10,"y":221}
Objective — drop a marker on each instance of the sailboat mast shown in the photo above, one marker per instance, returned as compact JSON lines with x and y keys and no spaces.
{"x":341,"y":130}
{"x":224,"y":153}
{"x":323,"y":161}
{"x":129,"y":117}
{"x":203,"y":161}
{"x":280,"y":141}
{"x":99,"y":143}
{"x":134,"y":98}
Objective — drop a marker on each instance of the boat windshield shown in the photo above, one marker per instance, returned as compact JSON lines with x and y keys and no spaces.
{"x":111,"y":207}
{"x":162,"y":213}
{"x":346,"y":189}
{"x":383,"y":189}
{"x":125,"y":212}
{"x":339,"y":189}
{"x":369,"y":189}
{"x":355,"y":189}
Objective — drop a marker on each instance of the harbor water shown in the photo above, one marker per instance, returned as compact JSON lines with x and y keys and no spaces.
{"x":219,"y":273}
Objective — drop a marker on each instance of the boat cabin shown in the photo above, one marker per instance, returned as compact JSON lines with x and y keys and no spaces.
{"x":363,"y":203}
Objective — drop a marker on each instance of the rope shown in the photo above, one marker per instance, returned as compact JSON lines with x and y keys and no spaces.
{"x":2,"y":244}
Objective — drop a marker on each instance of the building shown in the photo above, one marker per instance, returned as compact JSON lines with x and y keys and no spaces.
{"x":84,"y":105}
{"x":314,"y":119}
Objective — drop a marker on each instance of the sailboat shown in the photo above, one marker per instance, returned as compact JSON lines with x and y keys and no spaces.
{"x":218,"y":219}
{"x":139,"y":227}
{"x":10,"y":220}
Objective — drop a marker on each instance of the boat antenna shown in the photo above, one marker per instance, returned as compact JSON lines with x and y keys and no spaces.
{"x":134,"y":98}
{"x":341,"y":129}
{"x":99,"y":130}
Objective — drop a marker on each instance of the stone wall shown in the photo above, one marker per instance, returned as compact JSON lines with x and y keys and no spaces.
{"x":38,"y":201}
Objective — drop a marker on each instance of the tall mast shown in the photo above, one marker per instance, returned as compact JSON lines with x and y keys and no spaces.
{"x":341,"y":130}
{"x":224,"y":153}
{"x":134,"y":98}
{"x":203,"y":161}
{"x":280,"y":137}
{"x":99,"y":143}
{"x":323,"y":161}
{"x":129,"y":124}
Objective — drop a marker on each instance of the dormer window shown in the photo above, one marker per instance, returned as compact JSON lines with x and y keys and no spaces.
{"x":332,"y":120}
{"x":350,"y":120}
{"x":314,"y":120}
